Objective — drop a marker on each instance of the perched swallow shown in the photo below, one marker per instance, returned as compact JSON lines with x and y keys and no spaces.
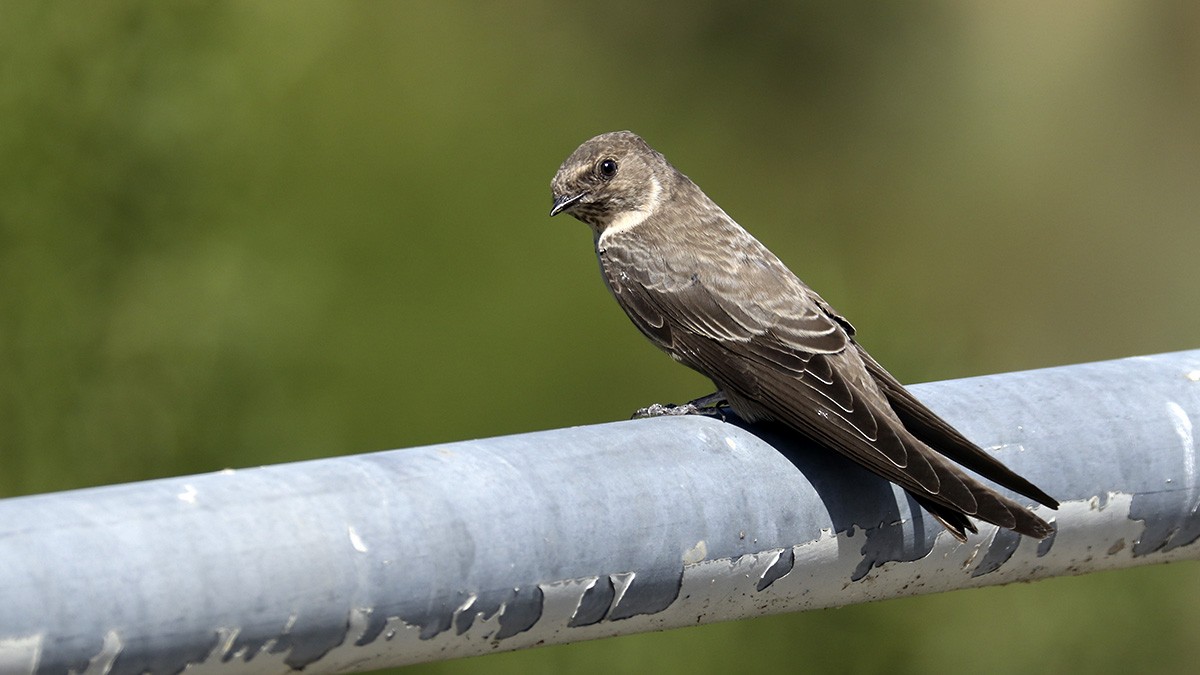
{"x":716,"y":300}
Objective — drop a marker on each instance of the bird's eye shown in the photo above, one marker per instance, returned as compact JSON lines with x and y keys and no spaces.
{"x":607,"y":168}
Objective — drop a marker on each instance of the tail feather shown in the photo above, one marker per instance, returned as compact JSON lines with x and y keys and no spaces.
{"x":960,"y":496}
{"x":958,"y":524}
{"x":945,"y":439}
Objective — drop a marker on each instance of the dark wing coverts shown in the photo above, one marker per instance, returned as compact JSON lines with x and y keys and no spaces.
{"x":785,"y":356}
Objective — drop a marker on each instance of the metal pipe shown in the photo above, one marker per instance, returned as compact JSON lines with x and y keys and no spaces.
{"x":356,"y":563}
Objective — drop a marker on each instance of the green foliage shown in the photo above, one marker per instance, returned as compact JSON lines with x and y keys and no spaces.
{"x":243,"y":233}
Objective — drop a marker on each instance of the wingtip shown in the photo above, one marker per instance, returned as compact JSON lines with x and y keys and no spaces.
{"x":1012,"y":517}
{"x":1042,"y":529}
{"x":1029,"y":524}
{"x":1035,"y":493}
{"x":955,"y":522}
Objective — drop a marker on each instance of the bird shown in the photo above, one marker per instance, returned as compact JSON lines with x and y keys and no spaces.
{"x":715,"y":299}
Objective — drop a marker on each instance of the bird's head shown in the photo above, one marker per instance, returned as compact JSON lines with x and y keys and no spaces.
{"x":611,"y":177}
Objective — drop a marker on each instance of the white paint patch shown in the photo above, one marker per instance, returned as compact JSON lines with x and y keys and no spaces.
{"x":564,"y":598}
{"x":355,"y":540}
{"x":696,"y":553}
{"x":731,"y":442}
{"x":21,"y":654}
{"x":102,"y":662}
{"x":722,"y":589}
{"x":216,"y":663}
{"x":1096,"y":504}
{"x":1183,"y":427}
{"x":621,"y":584}
{"x":188,"y":495}
{"x":225,"y":639}
{"x":1194,"y":376}
{"x":466,"y":604}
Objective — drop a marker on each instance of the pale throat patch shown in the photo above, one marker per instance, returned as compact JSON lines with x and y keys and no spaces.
{"x":631,"y":219}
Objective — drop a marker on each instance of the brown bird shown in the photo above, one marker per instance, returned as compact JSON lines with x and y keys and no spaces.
{"x":716,"y":300}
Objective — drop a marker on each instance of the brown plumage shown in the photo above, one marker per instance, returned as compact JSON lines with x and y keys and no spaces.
{"x":714,"y":298}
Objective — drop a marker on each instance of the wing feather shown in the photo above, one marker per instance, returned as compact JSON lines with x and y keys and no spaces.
{"x":779,"y":352}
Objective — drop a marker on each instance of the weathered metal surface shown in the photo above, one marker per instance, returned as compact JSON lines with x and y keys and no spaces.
{"x":356,"y":563}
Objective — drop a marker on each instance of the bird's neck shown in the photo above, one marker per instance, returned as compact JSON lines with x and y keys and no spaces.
{"x":629,"y":219}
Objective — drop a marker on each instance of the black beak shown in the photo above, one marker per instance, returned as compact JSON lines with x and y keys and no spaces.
{"x":564,"y":202}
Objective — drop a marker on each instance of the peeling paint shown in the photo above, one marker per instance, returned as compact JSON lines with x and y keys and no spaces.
{"x":309,"y":640}
{"x":1171,"y":515}
{"x":593,"y":605}
{"x":463,"y":617}
{"x":521,"y":612}
{"x":621,"y":583}
{"x":562,"y":599}
{"x":301,"y":639}
{"x":517,"y":609}
{"x":102,"y":663}
{"x":20,"y":653}
{"x":214,"y":661}
{"x":188,"y":494}
{"x":60,"y":655}
{"x":355,"y":540}
{"x":1046,"y":544}
{"x":374,"y":627}
{"x":714,"y":589}
{"x":784,"y":560}
{"x":462,"y":622}
{"x":441,"y":613}
{"x":459,"y":562}
{"x":1004,"y":544}
{"x":138,"y":654}
{"x":893,"y":542}
{"x":1183,"y":427}
{"x":1162,"y":534}
{"x":696,"y":553}
{"x":644,"y":592}
{"x":224,"y":646}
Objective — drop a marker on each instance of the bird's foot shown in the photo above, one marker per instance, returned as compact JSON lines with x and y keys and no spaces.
{"x":709,"y":406}
{"x":664,"y":409}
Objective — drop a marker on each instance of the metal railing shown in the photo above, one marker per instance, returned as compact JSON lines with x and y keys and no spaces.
{"x":356,"y":563}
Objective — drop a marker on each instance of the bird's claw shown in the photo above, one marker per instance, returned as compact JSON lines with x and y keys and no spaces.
{"x":670,"y":409}
{"x":660,"y":410}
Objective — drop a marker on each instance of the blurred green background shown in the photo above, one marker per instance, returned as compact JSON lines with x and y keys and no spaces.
{"x":237,"y":233}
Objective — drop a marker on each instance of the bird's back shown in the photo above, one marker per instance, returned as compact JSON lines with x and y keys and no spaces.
{"x":715,"y":299}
